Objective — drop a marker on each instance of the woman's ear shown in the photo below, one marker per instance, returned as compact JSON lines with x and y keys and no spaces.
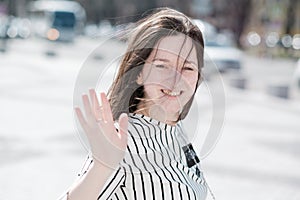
{"x":139,"y":79}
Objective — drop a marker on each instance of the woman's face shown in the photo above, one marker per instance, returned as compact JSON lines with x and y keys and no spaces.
{"x":169,"y":77}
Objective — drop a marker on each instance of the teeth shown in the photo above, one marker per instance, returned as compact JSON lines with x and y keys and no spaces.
{"x":173,"y":94}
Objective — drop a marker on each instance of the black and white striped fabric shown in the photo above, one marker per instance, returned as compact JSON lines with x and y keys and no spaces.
{"x":154,"y":166}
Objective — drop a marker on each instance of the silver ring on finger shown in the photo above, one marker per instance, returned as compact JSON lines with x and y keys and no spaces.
{"x":98,"y":114}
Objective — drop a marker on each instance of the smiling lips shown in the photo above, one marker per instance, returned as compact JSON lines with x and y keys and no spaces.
{"x":171,"y":93}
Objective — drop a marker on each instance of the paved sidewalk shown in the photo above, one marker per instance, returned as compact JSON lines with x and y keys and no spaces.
{"x":257,"y":156}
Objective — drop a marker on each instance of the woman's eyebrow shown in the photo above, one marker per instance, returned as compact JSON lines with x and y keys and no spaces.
{"x":166,"y":60}
{"x":161,"y":59}
{"x":191,"y":62}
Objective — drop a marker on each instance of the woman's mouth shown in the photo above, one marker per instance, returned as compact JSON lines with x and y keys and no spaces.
{"x":171,"y":93}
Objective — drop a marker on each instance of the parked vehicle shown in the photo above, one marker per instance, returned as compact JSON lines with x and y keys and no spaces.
{"x":14,"y":27}
{"x":296,"y":77}
{"x":220,"y":51}
{"x":57,"y":20}
{"x":4,"y":25}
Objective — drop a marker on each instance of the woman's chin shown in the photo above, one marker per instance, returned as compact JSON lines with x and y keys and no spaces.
{"x":172,"y":108}
{"x":164,"y":113}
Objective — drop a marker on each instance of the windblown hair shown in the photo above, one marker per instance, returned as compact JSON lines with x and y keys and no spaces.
{"x":125,"y":94}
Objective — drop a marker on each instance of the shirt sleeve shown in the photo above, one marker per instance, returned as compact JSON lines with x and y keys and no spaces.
{"x":110,"y":186}
{"x":112,"y":183}
{"x":86,"y":165}
{"x":64,"y":196}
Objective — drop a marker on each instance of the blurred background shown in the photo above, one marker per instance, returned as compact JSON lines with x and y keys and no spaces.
{"x":254,"y":44}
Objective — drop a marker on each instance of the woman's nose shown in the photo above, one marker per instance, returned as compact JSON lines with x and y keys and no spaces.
{"x":172,"y":77}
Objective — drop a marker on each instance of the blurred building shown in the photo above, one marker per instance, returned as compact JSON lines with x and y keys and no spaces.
{"x":281,"y":16}
{"x":273,"y":27}
{"x":13,"y":7}
{"x":123,"y":11}
{"x":230,"y":15}
{"x":201,"y":8}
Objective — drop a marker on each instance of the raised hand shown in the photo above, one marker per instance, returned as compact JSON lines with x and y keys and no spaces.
{"x":107,"y":144}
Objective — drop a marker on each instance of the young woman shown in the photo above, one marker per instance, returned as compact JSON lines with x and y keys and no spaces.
{"x":143,"y":155}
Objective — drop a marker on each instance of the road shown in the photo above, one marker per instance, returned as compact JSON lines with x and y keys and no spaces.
{"x":256,"y":157}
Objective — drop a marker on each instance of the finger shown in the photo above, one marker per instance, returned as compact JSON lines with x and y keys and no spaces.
{"x":83,"y":123}
{"x":95,"y":103}
{"x":107,"y":113}
{"x":92,"y":98}
{"x":87,"y":107}
{"x":80,"y":117}
{"x":123,"y":127}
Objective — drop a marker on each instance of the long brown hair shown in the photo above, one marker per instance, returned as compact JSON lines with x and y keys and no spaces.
{"x":125,"y":93}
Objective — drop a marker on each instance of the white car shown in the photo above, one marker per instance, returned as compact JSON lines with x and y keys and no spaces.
{"x":220,"y":52}
{"x":296,"y":77}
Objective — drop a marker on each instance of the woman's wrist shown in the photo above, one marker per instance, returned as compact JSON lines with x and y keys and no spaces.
{"x":99,"y":167}
{"x":92,"y":182}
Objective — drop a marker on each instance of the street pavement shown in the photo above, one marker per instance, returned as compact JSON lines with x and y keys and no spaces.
{"x":256,"y":156}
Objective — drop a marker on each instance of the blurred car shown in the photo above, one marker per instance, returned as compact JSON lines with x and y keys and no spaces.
{"x":4,"y":25}
{"x":57,"y":20}
{"x":14,"y":27}
{"x":91,"y":30}
{"x":296,"y":77}
{"x":220,"y":52}
{"x":104,"y":28}
{"x":19,"y":28}
{"x":223,"y":54}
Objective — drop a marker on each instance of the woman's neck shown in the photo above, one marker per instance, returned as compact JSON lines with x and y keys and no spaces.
{"x":157,"y":113}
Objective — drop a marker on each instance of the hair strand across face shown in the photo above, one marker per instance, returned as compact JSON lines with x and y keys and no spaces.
{"x":125,"y":93}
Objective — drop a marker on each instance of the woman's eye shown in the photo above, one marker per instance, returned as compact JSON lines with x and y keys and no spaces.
{"x":189,"y":68}
{"x":160,"y":66}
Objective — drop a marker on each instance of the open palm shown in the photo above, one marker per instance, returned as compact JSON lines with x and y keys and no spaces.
{"x":107,"y":144}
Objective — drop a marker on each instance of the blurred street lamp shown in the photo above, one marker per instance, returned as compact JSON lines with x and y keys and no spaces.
{"x":296,"y":41}
{"x":287,"y":41}
{"x":272,"y":39}
{"x":253,"y":38}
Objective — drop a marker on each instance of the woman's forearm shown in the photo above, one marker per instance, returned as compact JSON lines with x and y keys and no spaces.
{"x":91,"y":184}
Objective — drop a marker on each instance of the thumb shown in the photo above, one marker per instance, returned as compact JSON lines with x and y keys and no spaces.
{"x":123,"y":127}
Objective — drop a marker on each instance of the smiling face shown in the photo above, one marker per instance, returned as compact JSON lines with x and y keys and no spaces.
{"x":169,"y":77}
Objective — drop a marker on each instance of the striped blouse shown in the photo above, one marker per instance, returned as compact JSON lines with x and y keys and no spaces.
{"x":154,"y":166}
